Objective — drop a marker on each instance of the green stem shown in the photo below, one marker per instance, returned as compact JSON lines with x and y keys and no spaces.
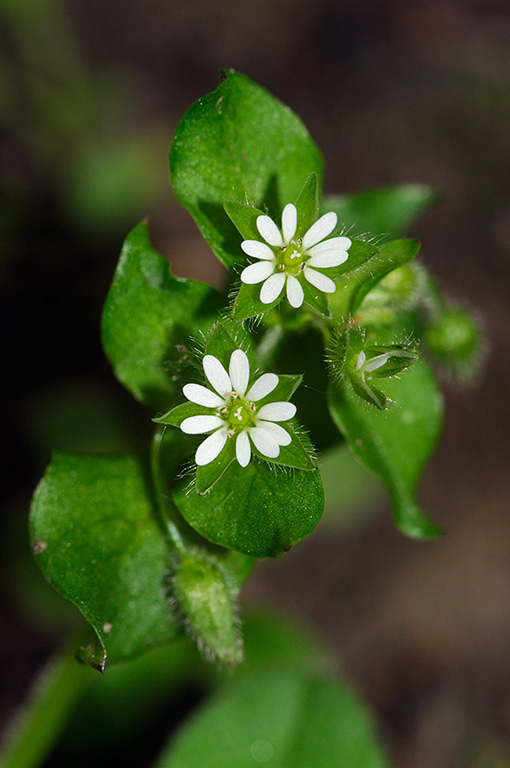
{"x":167,"y":511}
{"x":47,"y":711}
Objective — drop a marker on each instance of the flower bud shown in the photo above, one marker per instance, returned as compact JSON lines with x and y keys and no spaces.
{"x":455,"y":340}
{"x":208,"y":606}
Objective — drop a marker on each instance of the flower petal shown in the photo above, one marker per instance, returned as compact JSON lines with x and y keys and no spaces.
{"x":257,"y":249}
{"x":262,"y":387}
{"x":289,"y":222}
{"x":280,"y":434}
{"x":243,"y":449}
{"x":272,"y":288}
{"x":264,"y":442}
{"x":198,"y":425}
{"x":269,"y":231}
{"x":200,"y":395}
{"x":321,"y":229}
{"x":211,"y":447}
{"x":377,"y":362}
{"x":327,"y":259}
{"x":217,"y":375}
{"x":361,"y":359}
{"x":257,"y":272}
{"x":320,"y":281}
{"x":239,"y":371}
{"x":295,"y":293}
{"x":334,"y":243}
{"x":279,"y":411}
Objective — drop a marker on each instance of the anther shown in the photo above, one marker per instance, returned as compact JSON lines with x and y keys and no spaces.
{"x":234,"y":395}
{"x":231,"y":432}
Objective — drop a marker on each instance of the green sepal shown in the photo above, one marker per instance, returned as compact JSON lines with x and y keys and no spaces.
{"x":360,"y":252}
{"x":307,"y":205}
{"x":208,"y":474}
{"x":260,"y":510}
{"x":225,"y":336}
{"x":176,"y":416}
{"x":401,"y":357}
{"x":207,"y":599}
{"x":368,"y":392}
{"x":244,"y":216}
{"x":294,"y":455}
{"x":316,"y":299}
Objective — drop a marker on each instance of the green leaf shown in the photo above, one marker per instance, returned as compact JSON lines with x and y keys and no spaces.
{"x":388,"y":211}
{"x":287,"y":720}
{"x":396,"y":443}
{"x":148,"y":318}
{"x":364,"y":273}
{"x":239,"y":144}
{"x":258,"y":510}
{"x":208,"y":602}
{"x":96,"y":542}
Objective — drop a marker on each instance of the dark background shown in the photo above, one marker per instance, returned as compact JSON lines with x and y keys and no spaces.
{"x":392,"y":91}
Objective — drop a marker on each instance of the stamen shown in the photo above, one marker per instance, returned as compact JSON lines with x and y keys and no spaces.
{"x":234,"y":395}
{"x":231,"y":432}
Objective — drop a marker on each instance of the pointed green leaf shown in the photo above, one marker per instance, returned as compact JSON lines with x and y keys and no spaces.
{"x":258,"y":510}
{"x":95,"y":539}
{"x":395,"y":443}
{"x":287,"y":720}
{"x":148,"y":318}
{"x":239,"y":144}
{"x":307,"y":205}
{"x":210,"y":473}
{"x":388,"y":211}
{"x":244,"y":216}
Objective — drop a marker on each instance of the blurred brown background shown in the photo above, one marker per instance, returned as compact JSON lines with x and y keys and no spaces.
{"x":392,"y":91}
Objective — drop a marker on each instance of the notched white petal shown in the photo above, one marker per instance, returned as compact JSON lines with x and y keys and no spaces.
{"x":200,"y":395}
{"x":269,"y":231}
{"x":377,"y":362}
{"x":328,"y":259}
{"x":198,"y":425}
{"x":320,"y":281}
{"x":243,"y":449}
{"x":257,"y":250}
{"x":321,"y":229}
{"x":295,"y":293}
{"x":211,"y":447}
{"x":279,"y":411}
{"x":334,"y":243}
{"x":239,"y":371}
{"x":217,"y":375}
{"x":272,"y":288}
{"x":361,"y":359}
{"x":262,"y":387}
{"x":280,"y":434}
{"x":264,"y":442}
{"x":257,"y":272}
{"x":289,"y":222}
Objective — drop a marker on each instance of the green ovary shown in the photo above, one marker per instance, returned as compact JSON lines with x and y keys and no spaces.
{"x":291,"y":259}
{"x":238,"y":414}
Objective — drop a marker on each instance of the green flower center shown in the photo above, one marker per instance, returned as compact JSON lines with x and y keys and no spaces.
{"x":291,"y":258}
{"x":238,"y":414}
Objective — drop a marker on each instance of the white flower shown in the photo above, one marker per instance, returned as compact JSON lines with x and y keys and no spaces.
{"x":236,"y":413}
{"x":284,"y":258}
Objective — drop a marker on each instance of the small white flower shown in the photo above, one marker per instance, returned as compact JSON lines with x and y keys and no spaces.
{"x":236,"y":413}
{"x":284,"y":258}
